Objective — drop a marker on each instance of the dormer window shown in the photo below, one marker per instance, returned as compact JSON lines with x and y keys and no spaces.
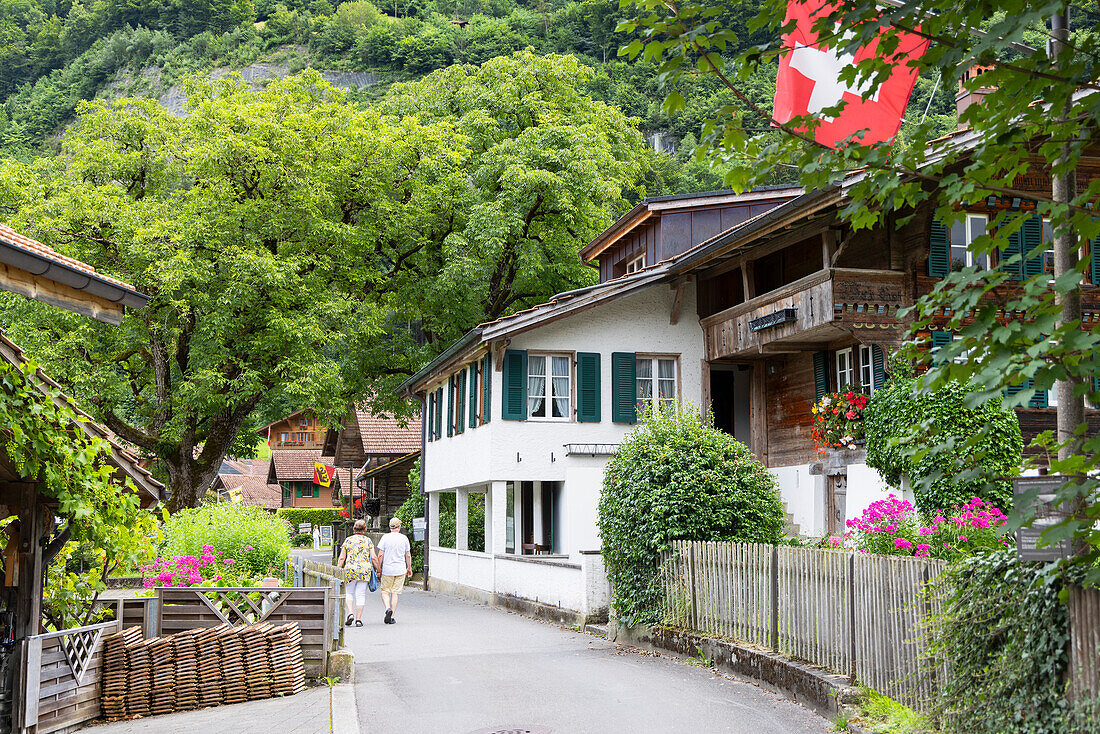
{"x":635,"y":265}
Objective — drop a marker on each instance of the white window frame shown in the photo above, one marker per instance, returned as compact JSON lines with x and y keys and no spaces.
{"x":969,"y":240}
{"x":654,"y":378}
{"x":636,"y":264}
{"x":849,"y":371}
{"x":866,"y":369}
{"x":548,"y":395}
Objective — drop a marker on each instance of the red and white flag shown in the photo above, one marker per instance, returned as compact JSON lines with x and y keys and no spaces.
{"x":809,"y":80}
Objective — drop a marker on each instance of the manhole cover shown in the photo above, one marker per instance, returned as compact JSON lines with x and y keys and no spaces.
{"x":514,"y":730}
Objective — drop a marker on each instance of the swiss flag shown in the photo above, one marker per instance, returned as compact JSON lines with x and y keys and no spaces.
{"x":809,"y":82}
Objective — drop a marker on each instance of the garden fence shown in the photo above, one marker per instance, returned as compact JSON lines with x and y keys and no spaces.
{"x":858,"y":614}
{"x":1084,"y":649}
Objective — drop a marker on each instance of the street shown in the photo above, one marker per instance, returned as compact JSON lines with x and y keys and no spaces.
{"x":454,"y":667}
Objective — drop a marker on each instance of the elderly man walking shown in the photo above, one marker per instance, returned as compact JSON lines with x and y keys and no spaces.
{"x":396,"y":560}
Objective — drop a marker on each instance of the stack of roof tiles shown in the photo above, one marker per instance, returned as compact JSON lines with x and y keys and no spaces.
{"x":199,"y":668}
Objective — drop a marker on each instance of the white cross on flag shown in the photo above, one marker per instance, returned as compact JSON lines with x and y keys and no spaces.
{"x":809,"y":81}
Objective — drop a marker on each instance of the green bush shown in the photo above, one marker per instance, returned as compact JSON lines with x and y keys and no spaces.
{"x":1003,"y":641}
{"x":256,"y":539}
{"x":901,"y":423}
{"x":676,"y":479}
{"x":413,"y":507}
{"x":313,"y":515}
{"x":302,"y":540}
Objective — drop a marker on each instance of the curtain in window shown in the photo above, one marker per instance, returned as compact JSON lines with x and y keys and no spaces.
{"x":666,"y":381}
{"x":644,"y":376}
{"x":536,"y":387}
{"x":560,"y":386}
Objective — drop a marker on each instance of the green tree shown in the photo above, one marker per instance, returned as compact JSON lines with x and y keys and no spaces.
{"x":255,"y":224}
{"x":548,"y":170}
{"x":1038,"y":114}
{"x":675,"y":478}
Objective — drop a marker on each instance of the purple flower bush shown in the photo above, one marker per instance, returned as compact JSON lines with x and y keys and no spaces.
{"x":893,"y":527}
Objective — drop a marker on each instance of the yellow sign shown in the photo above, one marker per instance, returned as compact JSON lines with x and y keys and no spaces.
{"x":235,"y":494}
{"x":322,"y":474}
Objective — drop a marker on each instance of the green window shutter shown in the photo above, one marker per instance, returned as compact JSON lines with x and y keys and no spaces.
{"x":1094,"y":256}
{"x":939,"y":339}
{"x":939,"y":251}
{"x":1039,"y":399}
{"x":473,"y":394}
{"x":460,"y":389}
{"x":878,"y":366}
{"x":486,"y":388}
{"x":1003,"y":256}
{"x":624,"y":387}
{"x":513,"y":404}
{"x":821,"y":374}
{"x":588,"y":387}
{"x":450,"y":406}
{"x":431,"y":416}
{"x":1032,"y":233}
{"x":439,"y":413}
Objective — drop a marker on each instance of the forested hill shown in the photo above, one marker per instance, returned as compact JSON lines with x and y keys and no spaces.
{"x":55,"y":53}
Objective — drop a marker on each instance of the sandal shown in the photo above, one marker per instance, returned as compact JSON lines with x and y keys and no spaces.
{"x":349,"y":620}
{"x":358,"y":623}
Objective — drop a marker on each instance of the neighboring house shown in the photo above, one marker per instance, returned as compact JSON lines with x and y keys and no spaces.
{"x":36,"y":271}
{"x":298,"y":430}
{"x":292,"y":471}
{"x":245,"y":481}
{"x":380,"y":451}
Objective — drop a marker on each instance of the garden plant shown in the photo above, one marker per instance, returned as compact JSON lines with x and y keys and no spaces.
{"x":838,"y":420}
{"x":230,"y":528}
{"x":676,"y":478}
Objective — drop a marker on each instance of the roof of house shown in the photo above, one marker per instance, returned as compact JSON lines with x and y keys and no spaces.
{"x":151,"y":490}
{"x":285,"y":418}
{"x":408,"y":459}
{"x":247,"y":467}
{"x":383,"y":434}
{"x":294,"y":465}
{"x":254,"y":490}
{"x":42,"y":261}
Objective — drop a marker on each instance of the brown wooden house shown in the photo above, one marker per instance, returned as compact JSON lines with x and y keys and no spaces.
{"x":292,"y":471}
{"x":299,"y":430}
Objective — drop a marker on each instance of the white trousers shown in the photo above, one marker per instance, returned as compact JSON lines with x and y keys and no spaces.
{"x":356,"y":595}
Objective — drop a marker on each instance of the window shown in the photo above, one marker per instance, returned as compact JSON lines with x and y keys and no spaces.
{"x":286,"y":492}
{"x":635,"y":265}
{"x":1048,"y":255}
{"x":301,"y":436}
{"x":284,"y":437}
{"x":303,"y":423}
{"x":845,"y":370}
{"x":656,"y":380}
{"x":306,"y":489}
{"x":866,"y":369}
{"x":961,"y":236}
{"x":548,"y":398}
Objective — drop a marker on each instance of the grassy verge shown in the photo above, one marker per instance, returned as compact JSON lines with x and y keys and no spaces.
{"x":885,"y":715}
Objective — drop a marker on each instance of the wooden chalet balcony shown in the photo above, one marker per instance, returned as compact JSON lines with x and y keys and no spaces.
{"x":809,"y":312}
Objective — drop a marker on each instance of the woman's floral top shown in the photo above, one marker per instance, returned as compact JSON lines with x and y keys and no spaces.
{"x":357,"y":561}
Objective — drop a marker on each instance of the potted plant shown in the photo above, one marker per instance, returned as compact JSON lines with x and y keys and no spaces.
{"x":838,"y":421}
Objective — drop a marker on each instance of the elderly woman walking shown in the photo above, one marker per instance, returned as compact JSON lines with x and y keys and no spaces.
{"x":358,"y":555}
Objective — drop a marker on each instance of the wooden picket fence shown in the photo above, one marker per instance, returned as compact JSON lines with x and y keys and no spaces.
{"x":1084,"y":645}
{"x":857,"y":614}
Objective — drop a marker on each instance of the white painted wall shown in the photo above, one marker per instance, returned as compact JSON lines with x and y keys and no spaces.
{"x":468,"y":568}
{"x":554,"y":583}
{"x":804,"y":494}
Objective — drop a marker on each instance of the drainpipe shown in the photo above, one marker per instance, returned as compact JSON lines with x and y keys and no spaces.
{"x":423,"y":446}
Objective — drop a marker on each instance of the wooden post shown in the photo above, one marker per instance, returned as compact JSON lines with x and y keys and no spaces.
{"x":852,"y":615}
{"x":828,"y":248}
{"x":748,"y":280}
{"x":774,"y":601}
{"x":151,"y":626}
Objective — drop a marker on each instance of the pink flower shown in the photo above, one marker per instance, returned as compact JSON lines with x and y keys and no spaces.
{"x":229,"y":561}
{"x":864,"y":550}
{"x":902,"y":543}
{"x":217,"y":578}
{"x":962,"y":538}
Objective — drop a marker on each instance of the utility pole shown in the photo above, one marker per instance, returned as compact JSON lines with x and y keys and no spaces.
{"x":1071,"y":408}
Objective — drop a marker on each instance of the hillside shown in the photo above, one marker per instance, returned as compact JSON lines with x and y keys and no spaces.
{"x":54,"y":57}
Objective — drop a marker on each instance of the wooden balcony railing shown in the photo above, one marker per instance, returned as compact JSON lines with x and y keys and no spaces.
{"x":810,"y":310}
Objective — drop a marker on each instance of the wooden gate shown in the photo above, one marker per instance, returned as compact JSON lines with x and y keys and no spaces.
{"x":58,"y":678}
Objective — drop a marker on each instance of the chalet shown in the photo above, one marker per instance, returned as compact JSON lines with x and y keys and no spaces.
{"x":36,"y":271}
{"x":292,"y":470}
{"x":299,"y":430}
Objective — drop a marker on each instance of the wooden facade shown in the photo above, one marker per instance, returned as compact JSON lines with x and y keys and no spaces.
{"x":299,"y":430}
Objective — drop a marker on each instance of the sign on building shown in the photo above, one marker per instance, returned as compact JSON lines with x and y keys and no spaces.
{"x":419,"y":528}
{"x":1035,"y":498}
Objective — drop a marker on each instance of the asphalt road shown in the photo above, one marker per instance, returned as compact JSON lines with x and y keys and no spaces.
{"x":453,"y":667}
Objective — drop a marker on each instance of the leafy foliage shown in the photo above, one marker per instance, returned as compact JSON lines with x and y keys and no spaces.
{"x":1004,"y":637}
{"x":45,"y":443}
{"x":315,"y":516}
{"x":677,"y":479}
{"x":892,"y":527}
{"x":229,"y":528}
{"x":838,"y":420}
{"x":412,"y":507}
{"x":950,"y":449}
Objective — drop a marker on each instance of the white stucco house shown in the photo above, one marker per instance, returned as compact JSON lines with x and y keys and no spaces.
{"x":526,"y":411}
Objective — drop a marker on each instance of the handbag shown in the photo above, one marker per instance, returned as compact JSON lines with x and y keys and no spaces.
{"x":372,"y":582}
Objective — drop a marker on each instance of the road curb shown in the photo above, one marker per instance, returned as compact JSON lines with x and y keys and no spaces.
{"x":344,"y":714}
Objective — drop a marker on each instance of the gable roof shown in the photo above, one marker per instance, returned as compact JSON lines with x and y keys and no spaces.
{"x":37,"y":271}
{"x":254,"y":490}
{"x":125,"y":462}
{"x":263,"y":429}
{"x":382,"y":434}
{"x":293,"y":465}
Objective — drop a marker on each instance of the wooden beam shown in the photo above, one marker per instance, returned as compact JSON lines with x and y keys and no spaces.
{"x":791,"y":347}
{"x":758,"y":412}
{"x":58,"y":294}
{"x":498,"y":353}
{"x":828,"y":247}
{"x":679,"y":285}
{"x":748,"y":280}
